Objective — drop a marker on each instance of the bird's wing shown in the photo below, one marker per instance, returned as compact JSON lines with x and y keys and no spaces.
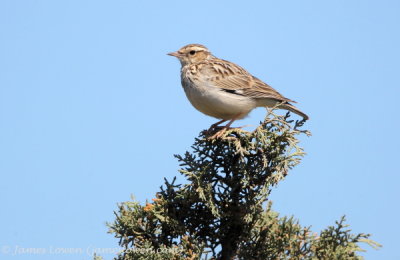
{"x":236,"y":80}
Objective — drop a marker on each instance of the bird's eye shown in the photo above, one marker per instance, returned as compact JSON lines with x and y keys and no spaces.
{"x":192,"y":52}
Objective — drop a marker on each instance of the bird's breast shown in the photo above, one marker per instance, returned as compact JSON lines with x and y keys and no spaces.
{"x":214,"y":101}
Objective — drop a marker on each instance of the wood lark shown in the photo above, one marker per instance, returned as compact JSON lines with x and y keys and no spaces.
{"x":222,"y":89}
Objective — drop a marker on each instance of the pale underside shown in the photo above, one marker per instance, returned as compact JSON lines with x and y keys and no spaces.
{"x":224,"y":90}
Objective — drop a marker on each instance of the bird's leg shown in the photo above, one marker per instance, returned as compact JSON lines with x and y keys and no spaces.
{"x":213,"y":126}
{"x":228,"y":125}
{"x":224,"y":128}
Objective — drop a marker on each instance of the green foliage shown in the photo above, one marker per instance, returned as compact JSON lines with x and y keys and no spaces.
{"x":221,"y":212}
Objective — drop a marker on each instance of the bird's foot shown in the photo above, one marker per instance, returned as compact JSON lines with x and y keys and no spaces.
{"x":216,"y":126}
{"x":219,"y":133}
{"x":221,"y":130}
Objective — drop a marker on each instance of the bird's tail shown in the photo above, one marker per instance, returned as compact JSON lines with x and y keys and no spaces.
{"x":293,"y":109}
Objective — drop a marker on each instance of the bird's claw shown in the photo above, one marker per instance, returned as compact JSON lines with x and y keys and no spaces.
{"x":219,"y":133}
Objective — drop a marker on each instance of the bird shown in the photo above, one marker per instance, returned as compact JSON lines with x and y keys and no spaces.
{"x":224,"y":90}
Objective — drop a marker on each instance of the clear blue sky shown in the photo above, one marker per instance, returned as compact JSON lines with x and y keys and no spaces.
{"x":92,"y":111}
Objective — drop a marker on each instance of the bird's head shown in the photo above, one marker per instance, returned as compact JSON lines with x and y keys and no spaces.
{"x":191,"y":53}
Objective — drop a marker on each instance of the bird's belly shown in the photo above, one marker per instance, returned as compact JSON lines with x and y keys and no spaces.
{"x":218,"y":103}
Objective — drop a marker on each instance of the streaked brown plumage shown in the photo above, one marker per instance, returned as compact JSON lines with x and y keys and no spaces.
{"x":222,"y":89}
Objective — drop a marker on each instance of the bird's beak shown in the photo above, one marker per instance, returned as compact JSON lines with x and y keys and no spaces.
{"x":175,"y":54}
